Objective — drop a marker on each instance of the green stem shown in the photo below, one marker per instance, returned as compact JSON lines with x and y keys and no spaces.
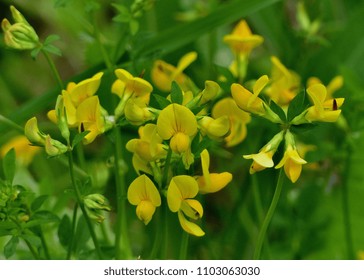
{"x":166,"y":169}
{"x":270,"y":213}
{"x":73,"y":228}
{"x":83,"y":209}
{"x":184,"y":246}
{"x":11,"y":124}
{"x":122,"y":245}
{"x":257,"y":199}
{"x":44,"y":244}
{"x":53,"y":68}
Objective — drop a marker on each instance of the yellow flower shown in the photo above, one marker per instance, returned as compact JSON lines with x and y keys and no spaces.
{"x":291,"y":160}
{"x":179,"y":124}
{"x":20,"y":35}
{"x":143,"y":193}
{"x":242,"y":40}
{"x":214,"y":128}
{"x":127,"y":86}
{"x":89,"y":118}
{"x":149,"y":147}
{"x":180,"y":191}
{"x":285,"y":83}
{"x":237,"y":118}
{"x":250,"y":102}
{"x":163,"y":74}
{"x":74,"y":95}
{"x":335,"y":84}
{"x":136,"y":112}
{"x":247,"y":101}
{"x":211,"y":182}
{"x":325,"y":110}
{"x":23,"y":150}
{"x":263,"y":159}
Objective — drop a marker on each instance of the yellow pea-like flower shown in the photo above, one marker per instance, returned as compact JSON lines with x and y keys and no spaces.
{"x":89,"y":118}
{"x":211,"y":182}
{"x":242,"y":40}
{"x":180,"y":192}
{"x":143,"y":193}
{"x":238,"y":120}
{"x":291,"y":161}
{"x":163,"y":73}
{"x":177,"y":123}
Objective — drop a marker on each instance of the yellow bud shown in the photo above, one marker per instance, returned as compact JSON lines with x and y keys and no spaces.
{"x":54,"y":147}
{"x":32,"y":132}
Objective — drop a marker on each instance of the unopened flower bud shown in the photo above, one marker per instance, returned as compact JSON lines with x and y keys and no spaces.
{"x":54,"y":147}
{"x":20,"y":35}
{"x":32,"y":132}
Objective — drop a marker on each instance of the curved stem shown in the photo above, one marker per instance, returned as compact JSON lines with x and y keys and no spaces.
{"x":83,"y":209}
{"x":270,"y":213}
{"x":53,"y":68}
{"x":122,"y":245}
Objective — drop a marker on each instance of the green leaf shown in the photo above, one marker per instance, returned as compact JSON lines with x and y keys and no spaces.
{"x":65,"y":231}
{"x":38,"y":202}
{"x":297,"y":105}
{"x":33,"y":240}
{"x":7,"y":225}
{"x":51,"y":38}
{"x":183,"y":34}
{"x":79,"y":137}
{"x":35,"y":52}
{"x":41,"y":217}
{"x":160,"y":100}
{"x":278,"y":110}
{"x":9,"y":165}
{"x":10,"y":247}
{"x":123,"y":14}
{"x":52,"y":49}
{"x":176,"y":93}
{"x":134,"y":26}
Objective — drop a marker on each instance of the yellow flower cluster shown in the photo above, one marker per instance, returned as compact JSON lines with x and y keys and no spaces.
{"x":282,"y":89}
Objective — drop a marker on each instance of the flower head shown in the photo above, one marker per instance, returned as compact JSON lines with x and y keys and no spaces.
{"x":177,"y":123}
{"x":285,"y":83}
{"x":238,"y":120}
{"x":180,"y":192}
{"x":264,"y":159}
{"x":242,"y":40}
{"x":89,"y":118}
{"x":211,"y":182}
{"x":325,"y":110}
{"x":163,"y":74}
{"x":143,"y":193}
{"x":291,"y":160}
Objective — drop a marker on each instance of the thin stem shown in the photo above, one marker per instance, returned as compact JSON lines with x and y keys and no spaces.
{"x":11,"y":124}
{"x":73,"y":228}
{"x":166,"y":169}
{"x":44,"y":244}
{"x":257,"y":199}
{"x":122,"y":245}
{"x":270,"y":213}
{"x":83,"y":209}
{"x":184,"y":246}
{"x":53,"y":68}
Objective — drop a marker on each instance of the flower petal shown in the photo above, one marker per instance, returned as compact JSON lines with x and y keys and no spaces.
{"x":188,"y":226}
